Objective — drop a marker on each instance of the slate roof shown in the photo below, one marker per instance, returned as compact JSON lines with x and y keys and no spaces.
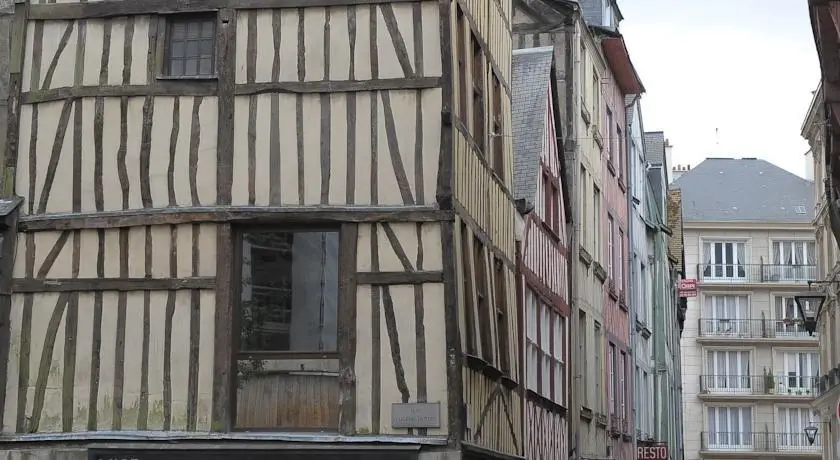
{"x":655,"y":147}
{"x":531,"y":69}
{"x":747,"y":189}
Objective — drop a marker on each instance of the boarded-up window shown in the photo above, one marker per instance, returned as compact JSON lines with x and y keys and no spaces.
{"x":461,"y":43}
{"x":469,"y":305}
{"x":483,"y":300}
{"x":498,"y":136}
{"x":287,"y":330}
{"x":501,"y":302}
{"x":478,"y":94}
{"x":191,"y":46}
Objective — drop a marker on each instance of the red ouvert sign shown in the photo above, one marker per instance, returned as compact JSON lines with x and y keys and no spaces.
{"x":652,"y":452}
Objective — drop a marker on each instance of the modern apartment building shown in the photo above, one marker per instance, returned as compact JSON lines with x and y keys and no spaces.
{"x":245,"y":230}
{"x":750,"y":370}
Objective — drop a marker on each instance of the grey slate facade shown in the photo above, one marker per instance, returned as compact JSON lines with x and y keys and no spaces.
{"x":744,"y":190}
{"x":531,"y":76}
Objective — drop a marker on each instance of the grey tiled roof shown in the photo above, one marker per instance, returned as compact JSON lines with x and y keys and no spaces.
{"x":531,"y":69}
{"x":748,"y":189}
{"x":655,"y":147}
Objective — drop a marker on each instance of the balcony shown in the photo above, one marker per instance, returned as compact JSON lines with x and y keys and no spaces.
{"x":765,"y":386}
{"x":782,"y":330}
{"x":763,"y":442}
{"x":755,"y":273}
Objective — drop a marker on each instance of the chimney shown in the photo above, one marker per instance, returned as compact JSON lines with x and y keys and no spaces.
{"x":677,"y":171}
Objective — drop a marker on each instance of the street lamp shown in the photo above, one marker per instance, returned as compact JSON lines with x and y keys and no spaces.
{"x":811,"y":434}
{"x":810,"y":305}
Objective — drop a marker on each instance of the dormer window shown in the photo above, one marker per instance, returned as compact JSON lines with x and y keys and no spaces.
{"x":608,"y":13}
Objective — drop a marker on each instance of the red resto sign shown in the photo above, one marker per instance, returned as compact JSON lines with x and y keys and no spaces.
{"x":652,"y":452}
{"x":687,"y":288}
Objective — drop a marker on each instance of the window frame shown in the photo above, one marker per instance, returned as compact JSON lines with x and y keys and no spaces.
{"x":479,"y":94}
{"x":164,"y":31}
{"x":461,"y":58}
{"x":237,"y":233}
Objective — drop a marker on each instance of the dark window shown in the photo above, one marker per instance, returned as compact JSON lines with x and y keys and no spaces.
{"x":482,"y":300}
{"x":478,"y":95}
{"x":191,"y":46}
{"x":461,"y":40}
{"x":289,"y":291}
{"x":469,"y":307}
{"x":501,"y":315}
{"x":498,"y":141}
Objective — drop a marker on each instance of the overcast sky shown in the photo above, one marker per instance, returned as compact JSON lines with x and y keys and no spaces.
{"x":745,"y":67}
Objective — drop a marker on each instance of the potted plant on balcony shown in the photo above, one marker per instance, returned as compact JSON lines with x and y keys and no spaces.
{"x":769,"y":382}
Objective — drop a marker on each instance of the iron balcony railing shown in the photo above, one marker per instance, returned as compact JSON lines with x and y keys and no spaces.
{"x":760,"y":442}
{"x":792,"y":385}
{"x":755,"y":273}
{"x":753,"y":328}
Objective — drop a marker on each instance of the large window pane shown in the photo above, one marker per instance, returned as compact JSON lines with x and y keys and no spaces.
{"x":289,"y":291}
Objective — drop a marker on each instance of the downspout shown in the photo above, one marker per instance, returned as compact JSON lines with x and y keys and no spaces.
{"x":631,"y":304}
{"x":572,"y":61}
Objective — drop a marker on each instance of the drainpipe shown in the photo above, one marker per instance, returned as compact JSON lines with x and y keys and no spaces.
{"x":631,"y":299}
{"x":571,"y":57}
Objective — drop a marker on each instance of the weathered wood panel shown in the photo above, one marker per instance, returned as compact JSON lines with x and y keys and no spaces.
{"x":547,"y":433}
{"x":345,"y":148}
{"x":494,"y":412}
{"x":364,"y":42}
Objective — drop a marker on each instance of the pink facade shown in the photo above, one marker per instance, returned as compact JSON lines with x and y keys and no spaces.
{"x":616,"y":244}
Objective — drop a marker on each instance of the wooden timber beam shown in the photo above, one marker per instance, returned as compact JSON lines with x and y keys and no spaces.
{"x":209,"y":88}
{"x":386,"y":278}
{"x":220,"y":214}
{"x":111,"y":284}
{"x":111,"y":8}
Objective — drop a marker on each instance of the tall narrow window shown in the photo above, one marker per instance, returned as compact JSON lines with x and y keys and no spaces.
{"x":612,"y":368}
{"x":501,"y":315}
{"x":482,"y":300}
{"x":791,"y":425}
{"x":498,"y":134}
{"x":598,"y":343}
{"x":596,"y":98}
{"x":582,"y":356}
{"x":532,"y":337}
{"x":610,"y":247}
{"x":596,"y":224}
{"x":469,"y":304}
{"x":620,"y":261}
{"x":584,"y":208}
{"x":610,"y":137}
{"x":461,"y":41}
{"x":548,"y":199}
{"x":478,"y":95}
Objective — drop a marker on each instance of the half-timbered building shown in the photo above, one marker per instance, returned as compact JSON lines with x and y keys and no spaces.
{"x":273,"y":224}
{"x":540,"y":190}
